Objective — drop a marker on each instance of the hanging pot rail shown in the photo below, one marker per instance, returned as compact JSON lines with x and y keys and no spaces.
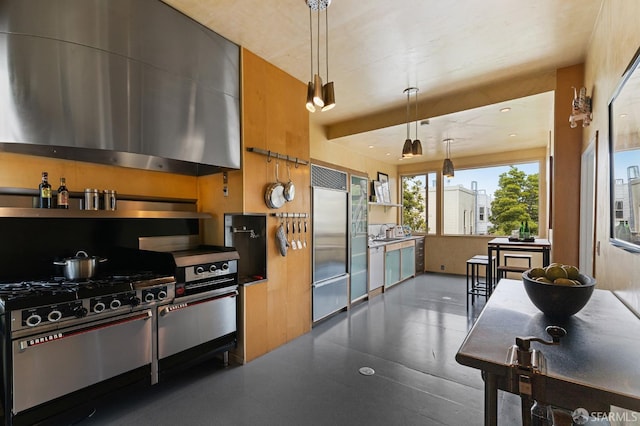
{"x":272,"y":154}
{"x":290,"y":215}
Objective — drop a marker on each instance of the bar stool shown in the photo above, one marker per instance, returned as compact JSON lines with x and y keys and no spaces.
{"x":504,"y":269}
{"x":494,"y":271}
{"x":526,"y":257}
{"x":476,"y":287}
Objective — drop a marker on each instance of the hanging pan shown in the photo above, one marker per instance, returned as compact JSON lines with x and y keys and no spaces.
{"x":289,"y":188}
{"x":274,"y":194}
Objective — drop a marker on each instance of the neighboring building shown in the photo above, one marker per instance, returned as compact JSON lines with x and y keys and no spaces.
{"x":483,"y":205}
{"x":467,"y":211}
{"x":627,"y":202}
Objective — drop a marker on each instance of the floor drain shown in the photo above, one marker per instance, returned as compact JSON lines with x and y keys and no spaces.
{"x":367,"y":371}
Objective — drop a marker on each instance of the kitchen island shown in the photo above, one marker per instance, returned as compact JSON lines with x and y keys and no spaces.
{"x":594,"y":366}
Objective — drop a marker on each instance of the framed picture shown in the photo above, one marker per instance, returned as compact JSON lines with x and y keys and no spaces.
{"x":383,"y":177}
{"x":377,"y":186}
{"x":386,"y":195}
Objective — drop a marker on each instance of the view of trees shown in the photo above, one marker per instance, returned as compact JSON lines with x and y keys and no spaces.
{"x":496,"y":210}
{"x":515,"y":201}
{"x":413,"y":201}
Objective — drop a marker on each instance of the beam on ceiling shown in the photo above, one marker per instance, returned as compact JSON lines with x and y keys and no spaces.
{"x":474,"y":97}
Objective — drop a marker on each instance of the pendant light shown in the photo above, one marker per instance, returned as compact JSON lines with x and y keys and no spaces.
{"x":319,"y":95}
{"x":416,"y":145}
{"x":447,"y":166}
{"x":407,"y":148}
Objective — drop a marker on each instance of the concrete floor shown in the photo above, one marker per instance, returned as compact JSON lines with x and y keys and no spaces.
{"x":409,"y":336}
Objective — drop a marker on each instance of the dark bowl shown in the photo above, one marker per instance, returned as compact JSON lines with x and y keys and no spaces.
{"x":559,"y":301}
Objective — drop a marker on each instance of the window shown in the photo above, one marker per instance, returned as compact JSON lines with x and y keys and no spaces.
{"x":418,"y":202}
{"x":491,"y":200}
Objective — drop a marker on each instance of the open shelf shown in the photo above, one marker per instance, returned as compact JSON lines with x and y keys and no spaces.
{"x":24,"y":212}
{"x":385,"y":205}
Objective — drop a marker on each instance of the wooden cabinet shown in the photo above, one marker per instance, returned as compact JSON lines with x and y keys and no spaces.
{"x":419,"y":255}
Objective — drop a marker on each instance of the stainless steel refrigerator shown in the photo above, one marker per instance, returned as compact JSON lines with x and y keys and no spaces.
{"x":330,"y":242}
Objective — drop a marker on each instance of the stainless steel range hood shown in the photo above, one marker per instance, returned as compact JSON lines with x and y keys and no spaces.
{"x":133,"y":83}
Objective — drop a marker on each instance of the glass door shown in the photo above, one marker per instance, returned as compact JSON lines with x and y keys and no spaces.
{"x":358,"y":236}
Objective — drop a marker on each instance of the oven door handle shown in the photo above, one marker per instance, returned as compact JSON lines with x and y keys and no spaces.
{"x":27,"y":343}
{"x":176,"y":306}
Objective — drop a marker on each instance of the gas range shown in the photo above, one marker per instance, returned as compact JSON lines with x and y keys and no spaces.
{"x":52,"y":303}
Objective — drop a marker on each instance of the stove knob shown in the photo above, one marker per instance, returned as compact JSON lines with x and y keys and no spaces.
{"x":149,"y":297}
{"x":134,"y":301}
{"x":199,"y":270}
{"x":54,"y":316}
{"x":99,"y":307}
{"x":213,"y":268}
{"x":80,"y":312}
{"x":115,"y":304}
{"x":225,"y":266}
{"x":162,"y":294}
{"x":33,"y":320}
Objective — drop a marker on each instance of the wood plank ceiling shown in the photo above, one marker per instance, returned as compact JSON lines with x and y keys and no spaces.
{"x":469,"y":59}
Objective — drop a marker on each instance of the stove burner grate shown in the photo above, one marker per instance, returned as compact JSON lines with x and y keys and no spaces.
{"x":27,"y":288}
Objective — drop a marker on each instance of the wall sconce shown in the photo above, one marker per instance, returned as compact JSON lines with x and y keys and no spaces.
{"x":580,"y":108}
{"x":447,"y":165}
{"x":319,"y":95}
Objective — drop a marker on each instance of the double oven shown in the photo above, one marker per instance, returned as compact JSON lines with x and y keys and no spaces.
{"x":64,"y":341}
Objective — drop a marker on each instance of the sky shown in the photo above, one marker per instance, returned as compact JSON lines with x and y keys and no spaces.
{"x":487,"y":177}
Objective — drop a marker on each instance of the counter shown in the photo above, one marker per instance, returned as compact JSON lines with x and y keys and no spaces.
{"x":386,"y":241}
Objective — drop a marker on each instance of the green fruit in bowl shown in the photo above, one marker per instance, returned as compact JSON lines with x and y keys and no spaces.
{"x":537,"y":272}
{"x":554,"y":272}
{"x":564,"y":281}
{"x":572,"y":272}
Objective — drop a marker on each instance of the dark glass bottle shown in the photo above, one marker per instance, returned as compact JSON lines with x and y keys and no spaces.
{"x":63,"y":195}
{"x":527,"y":232}
{"x":44,"y":190}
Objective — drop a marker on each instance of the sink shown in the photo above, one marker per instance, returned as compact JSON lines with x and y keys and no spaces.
{"x":388,"y":240}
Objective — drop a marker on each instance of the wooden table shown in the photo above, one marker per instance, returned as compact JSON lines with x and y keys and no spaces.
{"x":594,"y":366}
{"x":494,"y":246}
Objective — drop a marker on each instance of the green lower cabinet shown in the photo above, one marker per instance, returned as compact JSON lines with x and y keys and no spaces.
{"x":408,"y":262}
{"x":391,"y":267}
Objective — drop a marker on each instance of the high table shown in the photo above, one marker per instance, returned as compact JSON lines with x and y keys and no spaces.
{"x":594,"y":366}
{"x":539,"y":245}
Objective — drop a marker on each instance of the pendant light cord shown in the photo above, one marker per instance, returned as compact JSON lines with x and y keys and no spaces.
{"x":326,"y":35}
{"x":408,"y":126}
{"x":416,"y":113}
{"x":318,"y":41}
{"x":311,"y":42}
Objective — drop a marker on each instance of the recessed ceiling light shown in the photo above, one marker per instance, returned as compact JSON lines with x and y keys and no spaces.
{"x":513,"y":135}
{"x":388,"y":153}
{"x":623,"y":115}
{"x":506,"y":109}
{"x":370,"y":146}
